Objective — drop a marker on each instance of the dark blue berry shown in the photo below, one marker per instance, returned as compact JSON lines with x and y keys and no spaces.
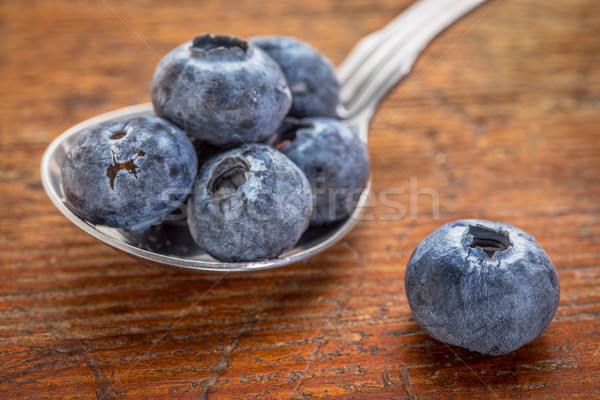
{"x":128,"y":173}
{"x":310,"y":75}
{"x":249,"y":203}
{"x":482,"y":285}
{"x":221,"y":90}
{"x":334,"y":160}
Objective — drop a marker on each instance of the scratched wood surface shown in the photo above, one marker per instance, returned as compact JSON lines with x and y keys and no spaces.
{"x":500,"y":118}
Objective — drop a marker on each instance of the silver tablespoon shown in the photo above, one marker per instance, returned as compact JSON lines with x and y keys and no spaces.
{"x":373,"y":67}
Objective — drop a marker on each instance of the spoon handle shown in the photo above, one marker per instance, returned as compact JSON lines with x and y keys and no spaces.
{"x":382,"y":58}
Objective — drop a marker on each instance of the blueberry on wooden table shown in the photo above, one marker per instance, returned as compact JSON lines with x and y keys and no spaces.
{"x":249,"y":203}
{"x":128,"y":173}
{"x":222,"y":90}
{"x":482,"y":285}
{"x":310,"y":75}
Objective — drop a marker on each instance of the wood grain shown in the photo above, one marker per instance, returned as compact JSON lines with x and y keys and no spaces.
{"x":499,"y":117}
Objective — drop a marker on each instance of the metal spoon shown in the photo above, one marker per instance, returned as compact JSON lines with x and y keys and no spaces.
{"x":373,"y":67}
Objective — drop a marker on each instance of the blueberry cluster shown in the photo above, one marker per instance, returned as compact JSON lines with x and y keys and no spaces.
{"x":245,"y":131}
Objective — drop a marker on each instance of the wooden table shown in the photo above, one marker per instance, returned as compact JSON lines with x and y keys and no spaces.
{"x":500,"y":118}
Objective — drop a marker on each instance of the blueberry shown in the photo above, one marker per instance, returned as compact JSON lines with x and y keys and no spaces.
{"x":129,"y":172}
{"x":482,"y":285}
{"x":249,"y":203}
{"x":222,"y":90}
{"x":334,"y":160}
{"x":311,"y":76}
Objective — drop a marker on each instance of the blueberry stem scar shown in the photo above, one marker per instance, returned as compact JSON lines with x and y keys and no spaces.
{"x":210,"y":42}
{"x":489,"y":240}
{"x":229,"y":176}
{"x":288,"y":131}
{"x":117,"y":166}
{"x":118,"y":135}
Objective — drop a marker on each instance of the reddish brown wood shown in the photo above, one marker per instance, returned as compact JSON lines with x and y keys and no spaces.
{"x":500,"y":117}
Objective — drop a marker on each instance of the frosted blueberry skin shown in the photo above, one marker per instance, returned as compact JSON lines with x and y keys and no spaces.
{"x":128,"y":173}
{"x":249,"y":203}
{"x":482,"y":285}
{"x":221,"y":90}
{"x":334,"y":160}
{"x":310,"y":75}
